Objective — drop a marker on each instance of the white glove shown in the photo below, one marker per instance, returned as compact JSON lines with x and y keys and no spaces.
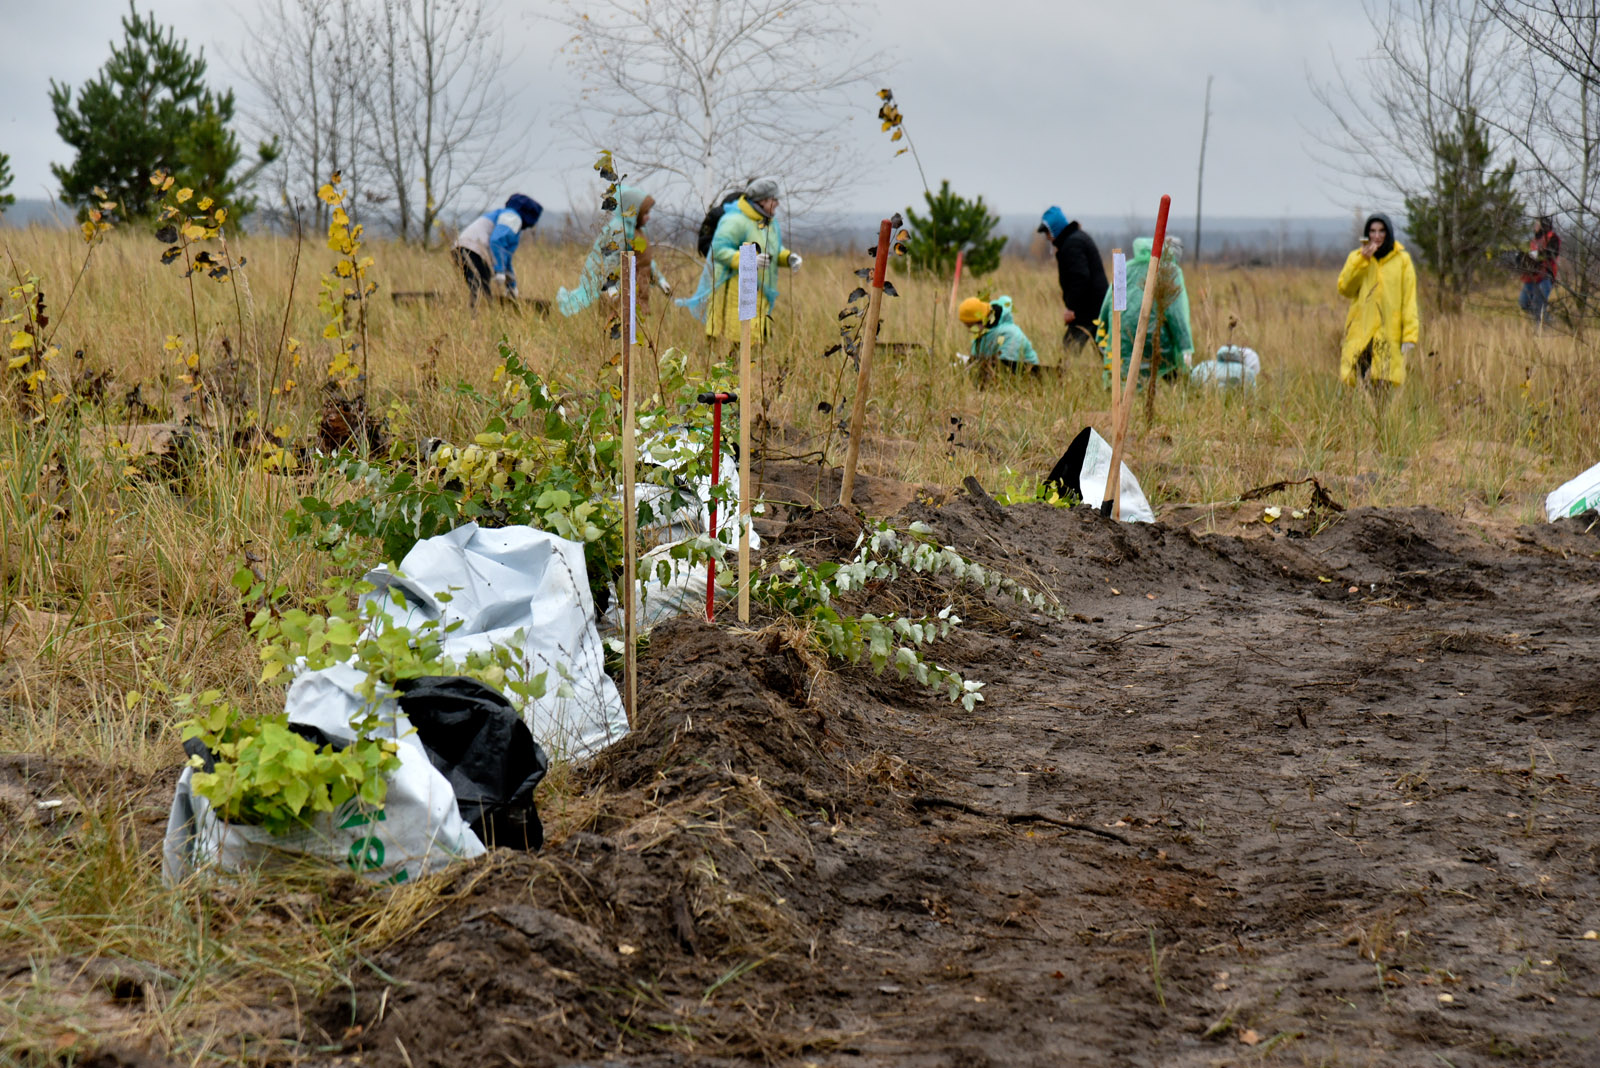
{"x":794,"y":261}
{"x":763,"y":261}
{"x":665,"y":286}
{"x":1406,"y":347}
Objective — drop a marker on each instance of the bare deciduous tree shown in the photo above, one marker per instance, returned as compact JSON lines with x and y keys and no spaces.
{"x":409,"y":98}
{"x":1434,"y":63}
{"x":300,"y":65}
{"x":698,"y":95}
{"x":1554,"y":119}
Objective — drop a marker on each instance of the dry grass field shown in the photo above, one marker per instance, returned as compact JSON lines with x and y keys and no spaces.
{"x":115,"y":595}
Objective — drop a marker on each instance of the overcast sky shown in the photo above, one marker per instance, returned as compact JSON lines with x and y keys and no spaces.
{"x":1095,"y":106}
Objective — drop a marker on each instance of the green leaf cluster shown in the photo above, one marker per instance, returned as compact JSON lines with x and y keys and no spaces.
{"x":810,"y":594}
{"x":265,"y":775}
{"x":544,"y":458}
{"x":953,"y":223}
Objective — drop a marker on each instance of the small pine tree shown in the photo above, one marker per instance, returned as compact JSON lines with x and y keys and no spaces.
{"x":953,"y":223}
{"x":147,"y":110}
{"x":1471,"y":210}
{"x":6,"y":199}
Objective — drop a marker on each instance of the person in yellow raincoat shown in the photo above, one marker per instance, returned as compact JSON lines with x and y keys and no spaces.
{"x":749,"y":220}
{"x":1380,"y":329}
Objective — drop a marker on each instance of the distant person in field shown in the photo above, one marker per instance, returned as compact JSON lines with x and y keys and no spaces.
{"x":996,"y":335}
{"x":484,"y":248}
{"x":1539,"y":273}
{"x":602,"y":271}
{"x":1170,"y":324}
{"x":1082,"y":276}
{"x":748,"y":220}
{"x":1380,"y":330}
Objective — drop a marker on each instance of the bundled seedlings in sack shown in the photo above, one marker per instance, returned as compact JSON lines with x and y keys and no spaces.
{"x":1574,"y":497}
{"x":1235,"y":365}
{"x":344,"y":774}
{"x":1083,"y":470}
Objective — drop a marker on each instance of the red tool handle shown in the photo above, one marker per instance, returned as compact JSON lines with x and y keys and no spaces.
{"x":716,"y":477}
{"x":1161,"y":226}
{"x":884,"y":237}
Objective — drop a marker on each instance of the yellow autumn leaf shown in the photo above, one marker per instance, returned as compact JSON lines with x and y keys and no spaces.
{"x":21,"y":340}
{"x":58,"y":398}
{"x":184,"y":194}
{"x":166,"y":183}
{"x":343,"y":269}
{"x":193,"y":361}
{"x":222,"y":216}
{"x":329,"y":195}
{"x":205,"y":203}
{"x":193,"y":232}
{"x":18,"y":361}
{"x":172,"y":342}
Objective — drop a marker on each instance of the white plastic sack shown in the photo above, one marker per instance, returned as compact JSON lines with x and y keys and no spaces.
{"x":1234,"y":365}
{"x":1092,"y":481}
{"x":418,"y":830}
{"x":526,"y":590}
{"x":1574,"y":497}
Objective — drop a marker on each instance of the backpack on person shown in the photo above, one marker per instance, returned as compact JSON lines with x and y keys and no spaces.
{"x":708,"y":225}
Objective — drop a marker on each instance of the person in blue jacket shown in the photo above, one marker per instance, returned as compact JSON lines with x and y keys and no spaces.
{"x":996,"y":335}
{"x":485,"y":246}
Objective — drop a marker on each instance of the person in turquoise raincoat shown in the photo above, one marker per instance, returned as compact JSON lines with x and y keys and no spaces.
{"x":995,"y":333}
{"x":748,"y":220}
{"x":1176,"y":335}
{"x":602,"y":270}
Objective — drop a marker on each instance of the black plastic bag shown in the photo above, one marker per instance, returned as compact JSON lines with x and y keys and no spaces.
{"x":477,"y":741}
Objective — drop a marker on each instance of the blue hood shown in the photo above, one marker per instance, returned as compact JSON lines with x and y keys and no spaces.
{"x":1056,"y":220}
{"x":527,"y":207}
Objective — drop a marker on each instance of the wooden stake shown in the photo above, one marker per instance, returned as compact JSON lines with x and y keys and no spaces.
{"x":1113,"y":491}
{"x":1114,"y":476}
{"x":748,"y":307}
{"x":955,"y":286}
{"x":869,"y":341}
{"x":630,"y":518}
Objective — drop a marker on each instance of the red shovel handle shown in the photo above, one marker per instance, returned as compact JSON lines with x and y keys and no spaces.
{"x":885,"y":237}
{"x":1161,"y":226}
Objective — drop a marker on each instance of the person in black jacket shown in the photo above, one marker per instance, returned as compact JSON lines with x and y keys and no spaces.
{"x":1083,"y":276}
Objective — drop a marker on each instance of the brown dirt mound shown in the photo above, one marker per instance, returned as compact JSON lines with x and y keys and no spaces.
{"x":1225,"y":811}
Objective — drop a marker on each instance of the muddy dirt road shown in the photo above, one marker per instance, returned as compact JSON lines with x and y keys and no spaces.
{"x":1300,"y":800}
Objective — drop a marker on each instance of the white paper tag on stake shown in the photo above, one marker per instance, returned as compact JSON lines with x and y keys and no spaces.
{"x":747,"y":282}
{"x":1119,"y":282}
{"x":633,"y":298}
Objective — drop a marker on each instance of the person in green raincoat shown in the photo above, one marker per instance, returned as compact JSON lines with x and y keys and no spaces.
{"x":602,"y":270}
{"x":996,"y":335}
{"x":749,"y":220}
{"x":1175,"y":334}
